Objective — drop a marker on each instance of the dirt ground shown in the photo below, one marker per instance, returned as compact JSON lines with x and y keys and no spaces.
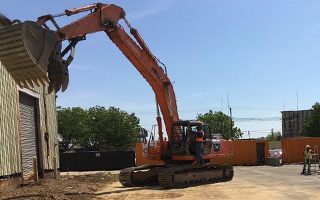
{"x":256,"y":182}
{"x":65,"y":187}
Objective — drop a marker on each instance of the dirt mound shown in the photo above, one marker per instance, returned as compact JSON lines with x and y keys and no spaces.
{"x":65,"y":187}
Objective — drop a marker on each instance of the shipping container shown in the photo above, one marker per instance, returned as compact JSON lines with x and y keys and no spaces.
{"x":245,"y":152}
{"x":250,"y":152}
{"x":293,"y":148}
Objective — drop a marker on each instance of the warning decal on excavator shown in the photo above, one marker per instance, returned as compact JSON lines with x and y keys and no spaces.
{"x":145,"y":150}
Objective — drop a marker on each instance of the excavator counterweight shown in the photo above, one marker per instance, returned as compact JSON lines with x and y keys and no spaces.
{"x":25,"y":49}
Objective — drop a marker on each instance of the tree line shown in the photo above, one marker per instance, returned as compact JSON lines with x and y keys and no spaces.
{"x":221,"y":123}
{"x":311,"y":126}
{"x":97,"y":128}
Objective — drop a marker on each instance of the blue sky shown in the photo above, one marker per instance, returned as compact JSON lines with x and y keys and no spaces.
{"x":260,"y":52}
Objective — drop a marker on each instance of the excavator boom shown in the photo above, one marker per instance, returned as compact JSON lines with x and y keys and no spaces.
{"x":33,"y":49}
{"x":34,"y":55}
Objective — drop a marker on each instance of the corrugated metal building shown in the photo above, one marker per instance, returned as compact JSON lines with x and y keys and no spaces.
{"x":28,"y":129}
{"x":293,"y":121}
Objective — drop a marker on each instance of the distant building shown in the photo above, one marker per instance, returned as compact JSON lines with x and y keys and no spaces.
{"x":293,"y":121}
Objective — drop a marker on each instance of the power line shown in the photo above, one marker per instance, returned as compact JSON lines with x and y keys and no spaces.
{"x":260,"y":131}
{"x":245,"y":119}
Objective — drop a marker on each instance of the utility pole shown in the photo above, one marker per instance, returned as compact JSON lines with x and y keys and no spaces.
{"x":249,"y":134}
{"x":297,"y":100}
{"x":230,"y":113}
{"x":228,"y":103}
{"x":272,"y":135}
{"x":230,"y":119}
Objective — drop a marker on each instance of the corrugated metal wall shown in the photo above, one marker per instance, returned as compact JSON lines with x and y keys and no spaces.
{"x":293,"y":148}
{"x":244,"y":152}
{"x":48,"y":105}
{"x":10,"y":159}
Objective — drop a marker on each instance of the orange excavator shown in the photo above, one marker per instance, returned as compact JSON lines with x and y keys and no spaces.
{"x":34,"y":55}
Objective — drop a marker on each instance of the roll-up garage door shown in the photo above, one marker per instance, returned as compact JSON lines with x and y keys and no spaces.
{"x":28,"y":131}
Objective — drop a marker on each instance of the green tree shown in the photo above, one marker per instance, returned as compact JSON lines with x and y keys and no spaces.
{"x":113,"y":128}
{"x":277,"y":136}
{"x":73,"y":126}
{"x":312,"y":124}
{"x":97,"y":128}
{"x":221,"y":123}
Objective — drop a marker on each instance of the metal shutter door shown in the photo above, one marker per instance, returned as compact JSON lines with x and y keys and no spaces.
{"x":28,"y":133}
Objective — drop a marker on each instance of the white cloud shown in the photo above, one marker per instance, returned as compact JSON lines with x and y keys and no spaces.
{"x":146,"y":13}
{"x":152,"y":9}
{"x":85,"y":68}
{"x":83,"y":99}
{"x":134,"y":107}
{"x":197,"y":94}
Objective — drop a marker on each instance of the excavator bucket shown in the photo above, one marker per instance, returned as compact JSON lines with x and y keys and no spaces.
{"x":25,"y":49}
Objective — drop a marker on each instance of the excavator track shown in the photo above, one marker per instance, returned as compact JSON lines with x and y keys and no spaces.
{"x":184,"y":176}
{"x":125,"y":177}
{"x":175,"y":176}
{"x":144,"y":175}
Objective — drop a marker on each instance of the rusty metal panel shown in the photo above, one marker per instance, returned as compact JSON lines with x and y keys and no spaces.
{"x":293,"y":148}
{"x":10,"y":160}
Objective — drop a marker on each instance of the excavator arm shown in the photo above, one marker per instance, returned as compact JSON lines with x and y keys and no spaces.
{"x":106,"y":17}
{"x":32,"y":53}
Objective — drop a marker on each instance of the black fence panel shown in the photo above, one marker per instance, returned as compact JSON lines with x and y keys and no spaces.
{"x":96,"y":161}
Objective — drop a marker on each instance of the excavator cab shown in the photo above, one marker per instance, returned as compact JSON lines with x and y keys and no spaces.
{"x":183,"y":140}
